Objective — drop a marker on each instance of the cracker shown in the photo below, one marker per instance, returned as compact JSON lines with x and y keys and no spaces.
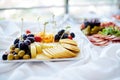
{"x":68,"y":41}
{"x":71,"y":47}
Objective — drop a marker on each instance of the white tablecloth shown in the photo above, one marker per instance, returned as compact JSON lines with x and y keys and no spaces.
{"x":96,"y":64}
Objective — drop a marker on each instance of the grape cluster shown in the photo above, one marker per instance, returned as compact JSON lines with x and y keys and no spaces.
{"x":20,"y":48}
{"x":62,"y":34}
{"x":92,"y":23}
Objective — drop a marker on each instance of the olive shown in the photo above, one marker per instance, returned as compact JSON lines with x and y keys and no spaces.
{"x":4,"y":56}
{"x":16,"y":57}
{"x":21,"y":53}
{"x":10,"y":56}
{"x":86,"y":31}
{"x":17,"y":50}
{"x":12,"y":47}
{"x":11,"y":51}
{"x":26,"y":56}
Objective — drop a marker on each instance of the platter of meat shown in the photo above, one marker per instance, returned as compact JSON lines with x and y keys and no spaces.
{"x":101,"y":33}
{"x":117,"y":17}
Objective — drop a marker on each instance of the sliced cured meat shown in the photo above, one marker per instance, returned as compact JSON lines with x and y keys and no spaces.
{"x":82,"y":26}
{"x":97,"y":35}
{"x":96,"y":40}
{"x":93,"y":39}
{"x":103,"y":40}
{"x":116,"y":39}
{"x":111,"y":37}
{"x":100,"y":36}
{"x":103,"y":43}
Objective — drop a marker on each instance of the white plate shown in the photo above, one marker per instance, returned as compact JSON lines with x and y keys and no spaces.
{"x":82,"y":55}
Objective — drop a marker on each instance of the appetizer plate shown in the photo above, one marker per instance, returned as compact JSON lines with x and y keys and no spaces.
{"x":81,"y":56}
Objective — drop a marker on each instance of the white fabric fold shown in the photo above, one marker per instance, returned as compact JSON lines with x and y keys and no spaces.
{"x":95,"y":63}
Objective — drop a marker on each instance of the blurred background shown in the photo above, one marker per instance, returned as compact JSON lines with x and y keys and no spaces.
{"x":31,"y":9}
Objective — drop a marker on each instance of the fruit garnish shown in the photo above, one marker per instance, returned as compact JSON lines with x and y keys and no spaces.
{"x":57,"y":37}
{"x":38,"y":38}
{"x":32,"y":39}
{"x":70,"y":37}
{"x":30,"y":35}
{"x":16,"y":40}
{"x":24,"y":36}
{"x":61,"y":32}
{"x":27,"y":42}
{"x":64,"y":34}
{"x":28,"y":31}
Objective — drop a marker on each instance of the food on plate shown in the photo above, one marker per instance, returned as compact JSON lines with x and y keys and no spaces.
{"x":43,"y":46}
{"x":63,"y":34}
{"x":47,"y":37}
{"x":116,"y":17}
{"x":101,"y":33}
{"x":68,"y":41}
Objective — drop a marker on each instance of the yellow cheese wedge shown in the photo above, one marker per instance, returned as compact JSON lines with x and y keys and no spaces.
{"x":42,"y":57}
{"x":33,"y":50}
{"x":38,"y":48}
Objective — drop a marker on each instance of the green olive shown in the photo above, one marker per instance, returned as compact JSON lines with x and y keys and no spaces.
{"x":95,"y":29}
{"x":26,"y":56}
{"x":17,"y":50}
{"x":12,"y":47}
{"x":16,"y":57}
{"x":86,"y":31}
{"x":10,"y":57}
{"x":11,"y":51}
{"x":21,"y":53}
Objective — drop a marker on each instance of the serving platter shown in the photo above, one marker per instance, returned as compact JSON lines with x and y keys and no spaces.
{"x":83,"y":54}
{"x":100,"y":33}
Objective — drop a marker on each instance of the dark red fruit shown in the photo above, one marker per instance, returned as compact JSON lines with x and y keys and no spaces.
{"x":38,"y":39}
{"x":70,"y":37}
{"x":28,"y":31}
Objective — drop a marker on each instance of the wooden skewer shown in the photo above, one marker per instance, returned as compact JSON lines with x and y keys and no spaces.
{"x":44,"y":31}
{"x":65,"y":31}
{"x":38,"y":21}
{"x":21,"y":29}
{"x":54,"y":23}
